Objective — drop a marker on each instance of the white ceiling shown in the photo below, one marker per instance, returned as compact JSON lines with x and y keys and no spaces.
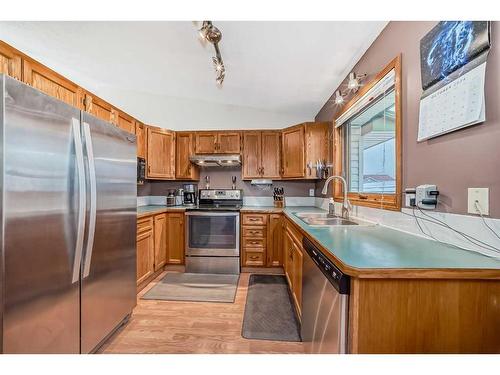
{"x":277,"y":73}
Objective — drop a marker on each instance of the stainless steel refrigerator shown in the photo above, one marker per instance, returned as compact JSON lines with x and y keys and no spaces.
{"x":68,"y":224}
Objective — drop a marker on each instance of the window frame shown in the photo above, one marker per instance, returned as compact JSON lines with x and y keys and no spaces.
{"x":387,"y":201}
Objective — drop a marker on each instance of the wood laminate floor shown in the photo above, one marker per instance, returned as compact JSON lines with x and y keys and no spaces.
{"x":191,"y":327}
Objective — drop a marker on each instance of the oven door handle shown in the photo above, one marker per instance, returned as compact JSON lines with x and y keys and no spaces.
{"x":211,"y":213}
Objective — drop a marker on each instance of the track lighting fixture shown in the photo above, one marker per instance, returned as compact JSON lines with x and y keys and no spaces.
{"x":212,"y":34}
{"x":354,"y":81}
{"x":339,"y":98}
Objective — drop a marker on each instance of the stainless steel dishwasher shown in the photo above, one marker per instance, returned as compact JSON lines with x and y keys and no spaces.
{"x":325,"y":299}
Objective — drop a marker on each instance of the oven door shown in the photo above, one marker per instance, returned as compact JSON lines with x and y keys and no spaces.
{"x":212,"y":233}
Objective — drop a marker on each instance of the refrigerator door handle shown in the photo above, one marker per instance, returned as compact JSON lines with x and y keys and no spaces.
{"x":93,"y":199}
{"x":82,"y":199}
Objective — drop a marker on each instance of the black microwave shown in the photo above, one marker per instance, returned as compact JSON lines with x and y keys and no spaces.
{"x":141,"y":170}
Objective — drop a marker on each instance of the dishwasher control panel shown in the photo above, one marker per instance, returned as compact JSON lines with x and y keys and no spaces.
{"x":337,"y":278}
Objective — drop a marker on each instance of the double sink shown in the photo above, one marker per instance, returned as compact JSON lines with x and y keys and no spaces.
{"x":322,"y":219}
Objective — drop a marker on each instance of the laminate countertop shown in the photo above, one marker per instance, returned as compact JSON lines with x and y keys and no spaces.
{"x":143,"y":211}
{"x":377,"y":251}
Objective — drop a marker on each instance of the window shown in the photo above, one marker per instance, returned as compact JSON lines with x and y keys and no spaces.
{"x":368,"y":143}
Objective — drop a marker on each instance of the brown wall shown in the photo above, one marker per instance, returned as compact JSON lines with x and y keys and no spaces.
{"x":455,"y":161}
{"x":221,"y":178}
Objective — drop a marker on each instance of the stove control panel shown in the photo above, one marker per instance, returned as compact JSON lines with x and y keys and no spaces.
{"x":221,"y":194}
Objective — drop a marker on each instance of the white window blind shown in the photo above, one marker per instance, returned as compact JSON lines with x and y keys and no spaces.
{"x":382,"y":86}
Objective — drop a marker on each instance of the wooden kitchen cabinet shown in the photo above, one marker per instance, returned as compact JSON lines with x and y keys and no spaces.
{"x":175,"y":238}
{"x":217,"y":142}
{"x":99,"y":108}
{"x":184,"y":169}
{"x":261,"y":154}
{"x":140,"y":133}
{"x":160,"y":238}
{"x":160,"y":154}
{"x":10,"y":61}
{"x":51,"y":83}
{"x":294,"y":253}
{"x":294,"y":152}
{"x":275,"y":240}
{"x":145,"y":249}
{"x":125,"y":122}
{"x":302,"y":146}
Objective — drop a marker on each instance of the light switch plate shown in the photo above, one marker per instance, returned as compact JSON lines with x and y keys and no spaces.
{"x":311,"y":192}
{"x":482,"y":196}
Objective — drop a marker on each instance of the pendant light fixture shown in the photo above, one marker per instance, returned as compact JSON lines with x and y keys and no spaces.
{"x":213,"y":35}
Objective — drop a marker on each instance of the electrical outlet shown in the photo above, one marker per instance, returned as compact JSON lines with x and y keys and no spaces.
{"x":481,"y":195}
{"x":311,"y":192}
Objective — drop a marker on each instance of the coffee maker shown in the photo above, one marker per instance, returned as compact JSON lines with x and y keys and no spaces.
{"x":190,"y":195}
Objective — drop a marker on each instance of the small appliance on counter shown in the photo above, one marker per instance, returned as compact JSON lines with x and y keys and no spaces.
{"x":171,"y":197}
{"x":190,"y":195}
{"x":179,"y":197}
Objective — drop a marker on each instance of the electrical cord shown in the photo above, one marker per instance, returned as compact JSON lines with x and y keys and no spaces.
{"x":468,"y":237}
{"x":448,"y":243}
{"x":478,"y":209}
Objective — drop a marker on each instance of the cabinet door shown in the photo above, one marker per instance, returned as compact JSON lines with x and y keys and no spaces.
{"x":293,"y":152}
{"x":270,"y":154}
{"x":161,"y":154}
{"x":99,"y":108}
{"x":297,"y":260}
{"x":175,"y":235}
{"x":160,"y":235}
{"x":184,"y":169}
{"x":140,"y":132}
{"x":51,"y":83}
{"x":10,"y":61}
{"x":228,"y":143}
{"x":206,"y":142}
{"x":251,"y":155}
{"x":145,"y":255}
{"x":274,"y":240}
{"x":316,"y":146}
{"x":126,"y":122}
{"x":287,"y":261}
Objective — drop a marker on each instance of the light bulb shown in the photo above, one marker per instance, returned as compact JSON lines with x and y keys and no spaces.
{"x":339,"y":99}
{"x":353,"y":82}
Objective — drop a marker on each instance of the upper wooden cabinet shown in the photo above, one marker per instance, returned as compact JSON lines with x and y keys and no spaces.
{"x":140,"y":132}
{"x":184,"y":169}
{"x":261,"y":154}
{"x":10,"y":61}
{"x":51,"y":83}
{"x":126,"y":122}
{"x":99,"y":108}
{"x":303,"y":145}
{"x":217,"y":142}
{"x":161,"y":154}
{"x":294,"y":162}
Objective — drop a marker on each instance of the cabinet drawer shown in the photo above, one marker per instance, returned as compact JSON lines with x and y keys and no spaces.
{"x":254,"y":242}
{"x":253,"y":232}
{"x":145,"y":224}
{"x":254,"y":219}
{"x":253,"y":258}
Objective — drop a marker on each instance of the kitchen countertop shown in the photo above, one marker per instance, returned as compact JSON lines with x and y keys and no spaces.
{"x":143,"y":211}
{"x":361,"y":248}
{"x":377,"y":251}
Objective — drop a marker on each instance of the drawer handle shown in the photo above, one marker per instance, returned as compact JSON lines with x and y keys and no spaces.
{"x":253,"y":219}
{"x":254,"y":257}
{"x":254,"y":242}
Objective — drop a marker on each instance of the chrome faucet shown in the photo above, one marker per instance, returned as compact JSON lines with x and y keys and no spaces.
{"x":346,"y":205}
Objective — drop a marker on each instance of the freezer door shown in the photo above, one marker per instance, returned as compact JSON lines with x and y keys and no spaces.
{"x":42,"y":221}
{"x":108,"y":292}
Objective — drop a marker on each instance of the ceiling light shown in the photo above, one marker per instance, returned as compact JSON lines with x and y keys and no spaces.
{"x":339,"y":99}
{"x":354,"y":81}
{"x":213,"y":35}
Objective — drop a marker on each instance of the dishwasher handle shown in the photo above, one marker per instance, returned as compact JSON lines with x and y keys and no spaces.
{"x":340,"y":281}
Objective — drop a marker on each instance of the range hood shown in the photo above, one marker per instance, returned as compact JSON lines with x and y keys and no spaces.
{"x":216,"y":160}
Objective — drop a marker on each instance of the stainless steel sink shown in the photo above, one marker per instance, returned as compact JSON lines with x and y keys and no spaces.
{"x":322,"y":219}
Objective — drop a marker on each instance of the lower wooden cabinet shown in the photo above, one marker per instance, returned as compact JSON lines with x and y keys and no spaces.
{"x":294,"y":256}
{"x":160,"y":235}
{"x":261,"y":240}
{"x":175,"y":238}
{"x":160,"y":241}
{"x":145,"y":249}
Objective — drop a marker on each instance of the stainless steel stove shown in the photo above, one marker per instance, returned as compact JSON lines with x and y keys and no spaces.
{"x":213,"y":232}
